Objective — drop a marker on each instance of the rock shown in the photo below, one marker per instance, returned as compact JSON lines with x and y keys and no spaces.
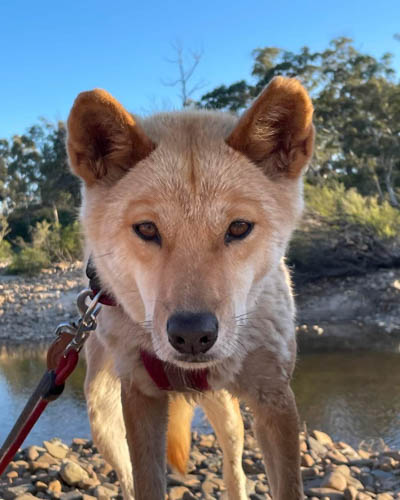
{"x":56,"y":448}
{"x":12,"y":474}
{"x":355,"y":483}
{"x":55,"y":486}
{"x":322,"y":438}
{"x":40,"y":486}
{"x":261,"y":487}
{"x":71,"y":495}
{"x":207,"y":440}
{"x":188,"y":480}
{"x":317,"y":447}
{"x":72,"y":473}
{"x":39,"y":465}
{"x":328,"y":493}
{"x":32,"y":453}
{"x":22,"y":464}
{"x":336,"y":457}
{"x":252,"y":467}
{"x":364,"y":454}
{"x":335,"y":480}
{"x":111,"y":487}
{"x":88,"y":483}
{"x":105,"y":469}
{"x":307,"y":460}
{"x":179,"y":492}
{"x":303,"y":446}
{"x":198,"y":457}
{"x":16,"y":491}
{"x":350,"y":493}
{"x":103,"y":493}
{"x":309,"y":473}
{"x":207,"y":488}
{"x":80,"y":441}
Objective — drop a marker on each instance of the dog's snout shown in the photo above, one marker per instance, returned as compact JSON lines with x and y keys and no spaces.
{"x":192,"y":333}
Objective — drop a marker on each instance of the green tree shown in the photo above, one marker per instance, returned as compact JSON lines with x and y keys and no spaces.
{"x":57,"y":187}
{"x":357,"y":102}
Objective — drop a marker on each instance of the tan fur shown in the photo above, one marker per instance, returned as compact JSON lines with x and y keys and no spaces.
{"x":179,"y":435}
{"x":192,"y":173}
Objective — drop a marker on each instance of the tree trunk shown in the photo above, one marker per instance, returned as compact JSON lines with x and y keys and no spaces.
{"x":55,"y":215}
{"x":389,"y":186}
{"x":377,"y":184}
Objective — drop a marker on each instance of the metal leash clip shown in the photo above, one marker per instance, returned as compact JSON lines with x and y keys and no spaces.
{"x":62,"y":358}
{"x":87,"y":322}
{"x":72,"y":335}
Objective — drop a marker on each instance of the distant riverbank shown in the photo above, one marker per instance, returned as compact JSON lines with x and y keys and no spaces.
{"x":349,"y":313}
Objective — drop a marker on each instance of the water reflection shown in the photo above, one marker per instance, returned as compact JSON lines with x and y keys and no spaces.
{"x":352,"y":396}
{"x":20,"y":371}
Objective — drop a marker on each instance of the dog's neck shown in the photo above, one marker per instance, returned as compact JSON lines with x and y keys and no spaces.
{"x":166,"y":376}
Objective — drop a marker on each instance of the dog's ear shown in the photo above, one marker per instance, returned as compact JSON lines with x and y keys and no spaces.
{"x":276,"y":132}
{"x":104,"y":140}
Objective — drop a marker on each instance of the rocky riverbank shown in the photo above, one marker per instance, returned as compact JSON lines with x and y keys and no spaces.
{"x":330,"y":471}
{"x":32,"y":307}
{"x":350,"y":313}
{"x":357,"y":312}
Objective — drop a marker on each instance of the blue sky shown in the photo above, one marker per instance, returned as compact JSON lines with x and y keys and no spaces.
{"x":50,"y":51}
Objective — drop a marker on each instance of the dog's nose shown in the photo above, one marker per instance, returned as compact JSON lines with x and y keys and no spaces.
{"x":192,"y":333}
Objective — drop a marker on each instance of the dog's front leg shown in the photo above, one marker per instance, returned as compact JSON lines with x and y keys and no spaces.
{"x":146,"y":424}
{"x":277,"y":430}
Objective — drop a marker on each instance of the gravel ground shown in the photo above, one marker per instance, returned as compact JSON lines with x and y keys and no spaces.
{"x":32,"y":307}
{"x":330,"y":471}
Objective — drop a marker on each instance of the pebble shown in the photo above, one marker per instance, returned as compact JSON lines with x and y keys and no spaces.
{"x":84,"y":475}
{"x":335,"y":480}
{"x":72,"y":473}
{"x":56,"y":448}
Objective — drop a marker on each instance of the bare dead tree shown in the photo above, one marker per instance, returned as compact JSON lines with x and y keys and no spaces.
{"x":186,"y":68}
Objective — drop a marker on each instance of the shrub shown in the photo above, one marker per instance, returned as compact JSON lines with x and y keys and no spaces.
{"x":333,"y":203}
{"x":5,"y":251}
{"x":50,"y":243}
{"x":344,"y":233}
{"x":29,"y":261}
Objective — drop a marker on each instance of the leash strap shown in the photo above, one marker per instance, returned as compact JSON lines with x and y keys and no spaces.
{"x":49,"y":389}
{"x":62,"y":358}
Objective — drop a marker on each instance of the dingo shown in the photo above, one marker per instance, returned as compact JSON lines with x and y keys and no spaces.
{"x":187,"y":217}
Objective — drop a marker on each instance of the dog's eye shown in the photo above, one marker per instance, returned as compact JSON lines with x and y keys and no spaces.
{"x":147,"y":231}
{"x":238,"y":230}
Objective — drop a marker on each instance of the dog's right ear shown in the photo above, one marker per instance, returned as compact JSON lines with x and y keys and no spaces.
{"x":104,"y":140}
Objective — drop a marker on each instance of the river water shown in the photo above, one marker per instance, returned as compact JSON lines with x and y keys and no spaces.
{"x":351,"y":396}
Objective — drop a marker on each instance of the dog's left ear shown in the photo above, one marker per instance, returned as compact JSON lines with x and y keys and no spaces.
{"x":276,"y":132}
{"x":104,"y":140}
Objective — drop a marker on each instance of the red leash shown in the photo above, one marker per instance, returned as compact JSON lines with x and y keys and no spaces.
{"x":62,"y":358}
{"x":49,"y":388}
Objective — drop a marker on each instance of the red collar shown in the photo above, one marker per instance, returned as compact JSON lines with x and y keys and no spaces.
{"x":170,"y":377}
{"x":166,"y":376}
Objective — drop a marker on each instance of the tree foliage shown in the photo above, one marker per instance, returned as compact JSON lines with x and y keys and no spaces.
{"x":357,"y":111}
{"x":357,"y":117}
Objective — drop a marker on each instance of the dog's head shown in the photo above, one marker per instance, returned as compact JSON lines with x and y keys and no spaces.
{"x":185,"y":214}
